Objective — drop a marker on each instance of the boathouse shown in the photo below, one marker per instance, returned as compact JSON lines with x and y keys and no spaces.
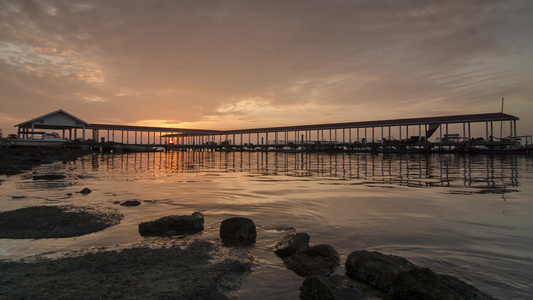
{"x":56,"y":120}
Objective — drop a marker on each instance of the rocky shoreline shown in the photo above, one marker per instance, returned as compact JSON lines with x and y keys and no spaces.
{"x":208,"y":269}
{"x":19,"y":160}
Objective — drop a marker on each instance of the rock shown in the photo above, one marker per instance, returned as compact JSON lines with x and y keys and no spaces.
{"x":238,"y":229}
{"x":131,"y":203}
{"x":201,"y":270}
{"x":37,"y":222}
{"x":10,"y":170}
{"x":335,"y":287}
{"x":49,"y":177}
{"x":399,"y":278}
{"x":376,"y":268}
{"x":173,"y":225}
{"x":85,"y":191}
{"x":291,"y":244}
{"x":318,"y":260}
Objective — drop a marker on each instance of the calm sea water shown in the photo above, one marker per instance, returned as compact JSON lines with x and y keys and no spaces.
{"x":467,"y":216}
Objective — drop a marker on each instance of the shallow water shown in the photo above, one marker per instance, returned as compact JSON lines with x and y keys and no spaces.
{"x":467,"y":216}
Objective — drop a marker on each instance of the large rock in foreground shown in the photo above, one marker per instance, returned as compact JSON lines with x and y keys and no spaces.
{"x":238,"y":230}
{"x":335,"y":287}
{"x":291,"y":244}
{"x":318,"y":260}
{"x":37,"y":222}
{"x":173,"y":225}
{"x":401,"y":279}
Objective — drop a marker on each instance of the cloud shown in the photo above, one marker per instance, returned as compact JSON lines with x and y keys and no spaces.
{"x":322,"y":61}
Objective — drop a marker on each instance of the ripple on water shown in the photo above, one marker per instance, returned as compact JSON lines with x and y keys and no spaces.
{"x":465,"y":216}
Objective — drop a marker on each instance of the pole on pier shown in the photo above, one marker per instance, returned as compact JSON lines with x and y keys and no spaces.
{"x":501,"y":122}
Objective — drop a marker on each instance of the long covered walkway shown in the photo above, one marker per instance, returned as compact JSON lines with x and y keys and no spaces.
{"x":398,"y":134}
{"x":416,"y":133}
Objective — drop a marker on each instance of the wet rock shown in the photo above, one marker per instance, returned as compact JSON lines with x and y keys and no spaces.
{"x":335,"y":287}
{"x":398,"y":277}
{"x":172,"y":225}
{"x":131,"y":203}
{"x":291,"y":244}
{"x":18,"y":160}
{"x":200,"y":271}
{"x":318,"y":260}
{"x":10,"y":170}
{"x":238,"y":229}
{"x":85,"y":191}
{"x":38,"y":222}
{"x":49,"y":177}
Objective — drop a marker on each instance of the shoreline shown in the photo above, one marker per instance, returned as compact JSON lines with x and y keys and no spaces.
{"x":19,"y":160}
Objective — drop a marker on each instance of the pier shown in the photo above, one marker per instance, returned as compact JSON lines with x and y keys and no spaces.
{"x":431,"y":134}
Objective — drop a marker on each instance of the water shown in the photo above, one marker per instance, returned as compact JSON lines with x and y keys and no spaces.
{"x":467,"y":216}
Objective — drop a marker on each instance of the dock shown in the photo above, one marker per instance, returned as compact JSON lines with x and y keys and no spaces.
{"x":412,"y":135}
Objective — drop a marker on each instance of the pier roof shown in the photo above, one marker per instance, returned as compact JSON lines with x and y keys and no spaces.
{"x":151,"y":129}
{"x":58,"y":119}
{"x":473,"y":118}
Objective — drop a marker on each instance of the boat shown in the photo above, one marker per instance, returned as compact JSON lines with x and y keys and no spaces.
{"x":513,"y":146}
{"x":39,"y":139}
{"x":411,"y":150}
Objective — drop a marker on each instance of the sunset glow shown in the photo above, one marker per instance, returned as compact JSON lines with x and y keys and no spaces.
{"x":244,"y":64}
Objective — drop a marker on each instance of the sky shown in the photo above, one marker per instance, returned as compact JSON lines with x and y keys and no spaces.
{"x":247,"y":64}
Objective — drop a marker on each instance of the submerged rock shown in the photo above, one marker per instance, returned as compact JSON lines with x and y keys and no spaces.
{"x":130,"y":203}
{"x":38,"y":222}
{"x":173,"y":225}
{"x":291,"y":244}
{"x":399,"y":278}
{"x":318,"y":260}
{"x":49,"y":177}
{"x":85,"y":191}
{"x":335,"y":287}
{"x":238,"y":229}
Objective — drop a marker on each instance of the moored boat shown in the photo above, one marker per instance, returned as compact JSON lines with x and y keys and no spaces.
{"x":39,"y":139}
{"x":515,"y":147}
{"x":412,"y":150}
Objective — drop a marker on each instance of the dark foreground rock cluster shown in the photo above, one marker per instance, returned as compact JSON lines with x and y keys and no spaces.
{"x":399,"y":278}
{"x":202,"y":270}
{"x":18,"y":160}
{"x":369,"y":275}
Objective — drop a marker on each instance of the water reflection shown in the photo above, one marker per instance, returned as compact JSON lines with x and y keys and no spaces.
{"x":348,"y":200}
{"x":487,"y":174}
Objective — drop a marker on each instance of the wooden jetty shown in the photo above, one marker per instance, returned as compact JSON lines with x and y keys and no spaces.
{"x":413,"y":135}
